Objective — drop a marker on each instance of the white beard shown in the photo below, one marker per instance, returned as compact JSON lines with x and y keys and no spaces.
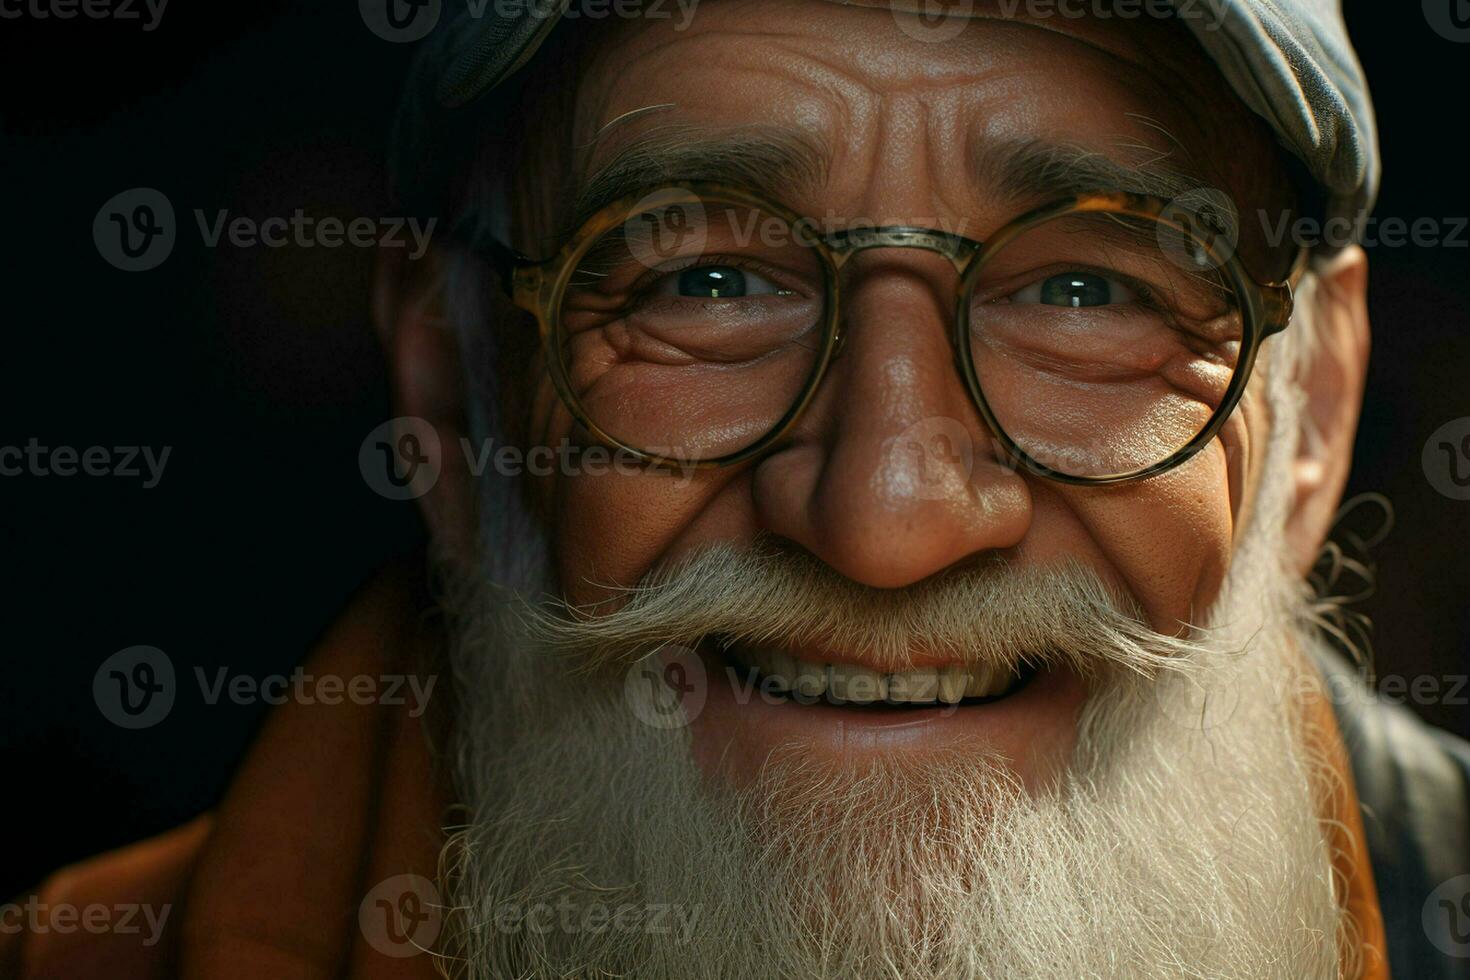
{"x":1184,"y":841}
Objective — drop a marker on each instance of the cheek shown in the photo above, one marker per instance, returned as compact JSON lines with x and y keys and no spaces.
{"x":613,"y":523}
{"x":1166,"y":541}
{"x":612,"y":528}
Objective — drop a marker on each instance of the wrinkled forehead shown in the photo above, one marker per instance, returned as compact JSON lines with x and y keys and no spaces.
{"x":864,"y":93}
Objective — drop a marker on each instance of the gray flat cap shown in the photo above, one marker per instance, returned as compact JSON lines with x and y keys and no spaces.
{"x":1290,"y":61}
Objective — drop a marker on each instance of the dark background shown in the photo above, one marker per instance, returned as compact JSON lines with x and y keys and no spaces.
{"x":259,"y":368}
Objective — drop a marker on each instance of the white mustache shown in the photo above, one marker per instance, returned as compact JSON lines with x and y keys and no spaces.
{"x":992,"y":613}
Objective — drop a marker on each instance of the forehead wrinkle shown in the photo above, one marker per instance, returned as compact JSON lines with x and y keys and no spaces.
{"x":649,"y":55}
{"x":1172,"y":66}
{"x":1184,"y":77}
{"x":839,"y":77}
{"x":767,"y":158}
{"x":1226,"y":147}
{"x":818,"y":90}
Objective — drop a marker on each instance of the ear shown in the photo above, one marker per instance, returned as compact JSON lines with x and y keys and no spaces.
{"x":1332,"y":381}
{"x":425,"y":382}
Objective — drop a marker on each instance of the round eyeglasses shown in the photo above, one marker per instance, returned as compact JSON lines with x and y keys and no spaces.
{"x":1102,"y":337}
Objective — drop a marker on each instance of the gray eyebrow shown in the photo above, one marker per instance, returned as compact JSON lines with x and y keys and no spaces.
{"x":1036,"y":170}
{"x":780,"y":162}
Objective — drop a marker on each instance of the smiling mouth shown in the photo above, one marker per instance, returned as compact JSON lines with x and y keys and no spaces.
{"x":794,"y":679}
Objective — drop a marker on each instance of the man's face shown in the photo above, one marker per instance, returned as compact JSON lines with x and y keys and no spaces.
{"x":909,"y":128}
{"x":1137,"y":803}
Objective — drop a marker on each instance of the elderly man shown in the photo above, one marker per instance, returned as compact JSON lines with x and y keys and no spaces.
{"x":920,"y":438}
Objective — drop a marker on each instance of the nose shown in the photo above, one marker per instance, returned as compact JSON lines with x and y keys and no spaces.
{"x":891,"y":476}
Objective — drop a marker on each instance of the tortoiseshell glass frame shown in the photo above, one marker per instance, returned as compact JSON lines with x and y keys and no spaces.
{"x":540,"y":286}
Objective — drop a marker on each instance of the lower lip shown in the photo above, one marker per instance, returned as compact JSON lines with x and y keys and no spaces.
{"x":738,"y":727}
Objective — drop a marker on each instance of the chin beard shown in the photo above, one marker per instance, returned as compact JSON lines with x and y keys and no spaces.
{"x":1183,"y":840}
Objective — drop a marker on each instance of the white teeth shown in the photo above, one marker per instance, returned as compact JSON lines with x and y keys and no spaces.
{"x":978,"y":685}
{"x":914,"y":685}
{"x":751,"y":658}
{"x":783,"y":670}
{"x":858,"y":684}
{"x":952,"y":682}
{"x":811,"y":679}
{"x":989,"y":681}
{"x":761,"y":660}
